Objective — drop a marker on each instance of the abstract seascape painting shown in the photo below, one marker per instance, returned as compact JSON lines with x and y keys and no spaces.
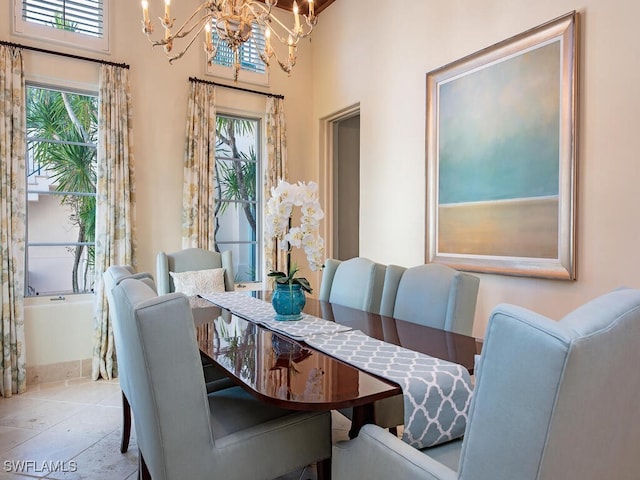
{"x":501,"y":156}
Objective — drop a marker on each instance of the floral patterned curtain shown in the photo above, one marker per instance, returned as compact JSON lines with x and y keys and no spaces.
{"x":198,"y":195}
{"x":12,"y":220}
{"x":276,"y":169}
{"x":115,"y":203}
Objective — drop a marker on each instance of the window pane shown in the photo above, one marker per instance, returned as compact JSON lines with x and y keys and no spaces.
{"x":50,"y":270}
{"x":235,"y":181}
{"x":57,"y":166}
{"x":237,"y":202}
{"x":61,"y":185}
{"x":80,"y":16}
{"x":249,"y":51}
{"x":51,"y":220}
{"x":236,"y":223}
{"x":244,"y":260}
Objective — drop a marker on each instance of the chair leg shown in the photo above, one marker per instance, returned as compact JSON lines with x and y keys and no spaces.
{"x":126,"y":424}
{"x":143,"y":471}
{"x":323,"y":468}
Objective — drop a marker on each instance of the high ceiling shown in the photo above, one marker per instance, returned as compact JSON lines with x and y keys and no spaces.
{"x":302,"y":4}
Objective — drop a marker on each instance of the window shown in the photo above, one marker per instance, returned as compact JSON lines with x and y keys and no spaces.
{"x":252,"y":68}
{"x":82,"y":23}
{"x":62,"y":131}
{"x":238,"y":194}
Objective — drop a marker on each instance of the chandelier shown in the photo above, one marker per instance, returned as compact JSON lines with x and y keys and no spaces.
{"x":233,"y":21}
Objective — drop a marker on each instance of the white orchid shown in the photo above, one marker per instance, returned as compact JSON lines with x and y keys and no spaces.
{"x":279,"y":211}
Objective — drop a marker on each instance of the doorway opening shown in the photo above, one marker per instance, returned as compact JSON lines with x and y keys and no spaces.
{"x":342,"y":178}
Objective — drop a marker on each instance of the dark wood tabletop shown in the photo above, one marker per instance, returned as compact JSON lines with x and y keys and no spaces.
{"x":290,"y":374}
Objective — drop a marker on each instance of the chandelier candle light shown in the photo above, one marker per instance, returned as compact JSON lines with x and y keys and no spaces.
{"x":233,"y":21}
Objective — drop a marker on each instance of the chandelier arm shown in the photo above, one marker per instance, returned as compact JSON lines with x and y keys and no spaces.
{"x":179,"y":32}
{"x":273,"y":18}
{"x":199,"y":25}
{"x":266,"y":9}
{"x":193,"y":39}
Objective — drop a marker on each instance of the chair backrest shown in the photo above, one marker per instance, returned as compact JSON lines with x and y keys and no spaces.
{"x":192,"y":259}
{"x":355,"y":283}
{"x":433,"y":294}
{"x":111,"y":278}
{"x":169,"y":398}
{"x":557,"y":400}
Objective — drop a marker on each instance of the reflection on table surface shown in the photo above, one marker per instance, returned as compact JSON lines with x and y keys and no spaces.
{"x":435,"y":342}
{"x":276,"y":368}
{"x":279,"y":369}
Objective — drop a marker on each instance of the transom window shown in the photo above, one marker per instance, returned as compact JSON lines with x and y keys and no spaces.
{"x":62,"y":133}
{"x":238,"y":194}
{"x":252,"y":68}
{"x":82,"y":23}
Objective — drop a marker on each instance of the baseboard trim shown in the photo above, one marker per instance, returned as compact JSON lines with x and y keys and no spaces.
{"x":55,"y":372}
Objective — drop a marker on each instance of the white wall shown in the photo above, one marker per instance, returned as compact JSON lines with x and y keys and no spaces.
{"x":378,"y":54}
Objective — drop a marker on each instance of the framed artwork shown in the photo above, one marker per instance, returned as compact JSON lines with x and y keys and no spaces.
{"x":501,"y":156}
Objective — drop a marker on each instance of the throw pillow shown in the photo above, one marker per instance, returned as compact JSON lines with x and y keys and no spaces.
{"x":199,"y":281}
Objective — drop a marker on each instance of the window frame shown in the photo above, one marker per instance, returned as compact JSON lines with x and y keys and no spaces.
{"x":28,"y":191}
{"x":260,"y":166}
{"x":83,"y":41}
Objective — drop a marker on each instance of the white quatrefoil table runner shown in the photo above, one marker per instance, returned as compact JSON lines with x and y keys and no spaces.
{"x":437,"y":393}
{"x":259,"y":311}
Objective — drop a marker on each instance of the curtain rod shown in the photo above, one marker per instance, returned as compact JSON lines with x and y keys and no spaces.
{"x":208,"y":82}
{"x":61,"y":54}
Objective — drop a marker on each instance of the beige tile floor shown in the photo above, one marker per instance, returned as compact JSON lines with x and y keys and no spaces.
{"x":71,"y":430}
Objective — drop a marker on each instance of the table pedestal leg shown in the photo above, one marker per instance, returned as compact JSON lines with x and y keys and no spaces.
{"x":362,"y":415}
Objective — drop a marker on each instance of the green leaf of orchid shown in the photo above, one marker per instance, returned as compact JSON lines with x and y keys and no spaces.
{"x":304,"y":284}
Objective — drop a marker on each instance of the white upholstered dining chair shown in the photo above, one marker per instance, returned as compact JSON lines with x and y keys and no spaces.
{"x":185,"y":433}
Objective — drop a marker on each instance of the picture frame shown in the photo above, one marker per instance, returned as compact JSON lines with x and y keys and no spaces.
{"x":501,"y":148}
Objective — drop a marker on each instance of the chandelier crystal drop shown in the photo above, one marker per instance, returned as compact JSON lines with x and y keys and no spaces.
{"x":233,"y":21}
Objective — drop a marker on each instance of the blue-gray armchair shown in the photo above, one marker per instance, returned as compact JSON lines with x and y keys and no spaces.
{"x":553,"y":401}
{"x":182,"y":432}
{"x":214,"y":378}
{"x":355,"y":283}
{"x":112,"y":277}
{"x":191,"y":259}
{"x":434,"y":295}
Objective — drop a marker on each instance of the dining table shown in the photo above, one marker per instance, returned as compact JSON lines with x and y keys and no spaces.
{"x":289,"y":373}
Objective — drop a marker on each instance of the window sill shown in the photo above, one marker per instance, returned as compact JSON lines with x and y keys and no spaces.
{"x":65,"y":299}
{"x":248,"y":286}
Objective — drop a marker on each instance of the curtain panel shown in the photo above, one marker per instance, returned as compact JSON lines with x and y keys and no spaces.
{"x":12,"y":219}
{"x":115,"y":204}
{"x":198,"y":194}
{"x":276,"y":169}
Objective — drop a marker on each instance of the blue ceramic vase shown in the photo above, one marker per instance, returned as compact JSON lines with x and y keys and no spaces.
{"x":288,"y":300}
